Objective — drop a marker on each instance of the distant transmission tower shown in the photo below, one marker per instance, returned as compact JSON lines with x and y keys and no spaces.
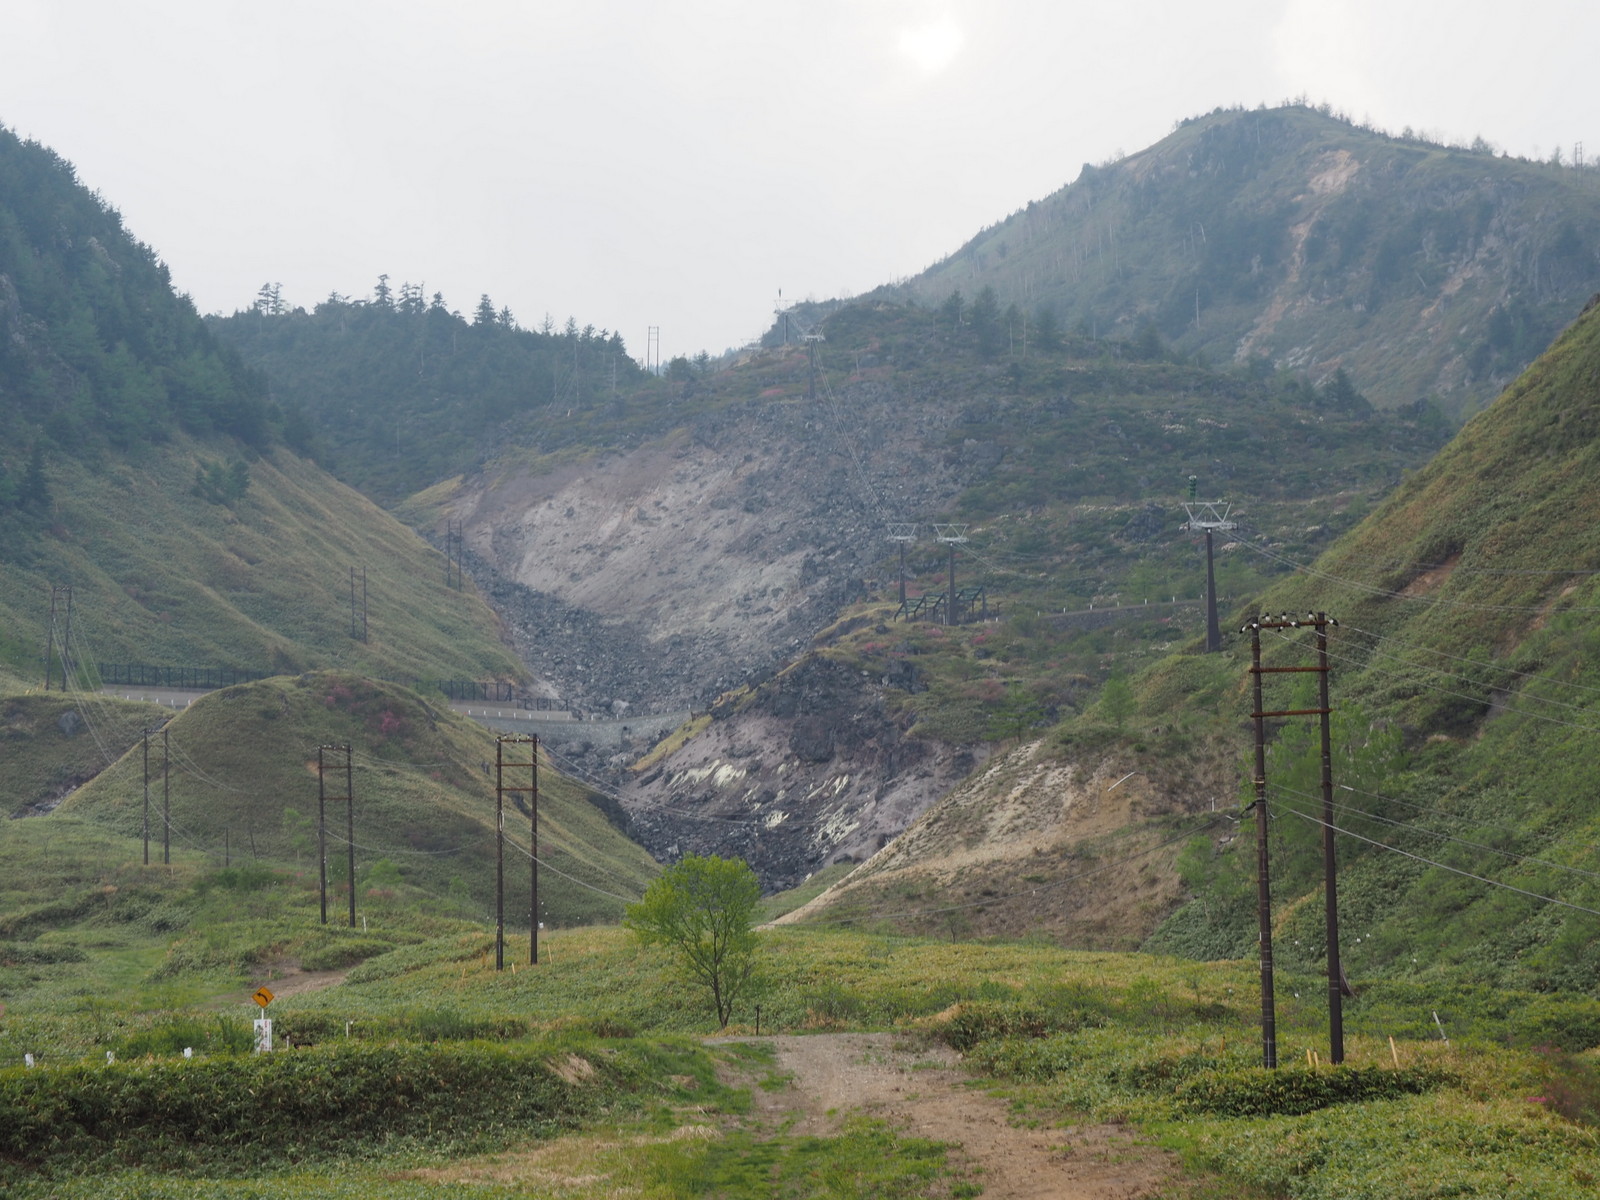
{"x":358,"y":614}
{"x":905,"y":533}
{"x":782,"y":313}
{"x":952,"y":536}
{"x":652,"y":350}
{"x":1208,"y":516}
{"x":811,"y":340}
{"x":60,"y":608}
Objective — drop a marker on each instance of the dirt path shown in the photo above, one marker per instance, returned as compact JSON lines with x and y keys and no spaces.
{"x":920,"y":1090}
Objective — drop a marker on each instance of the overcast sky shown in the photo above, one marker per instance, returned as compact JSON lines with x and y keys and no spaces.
{"x":635,"y":163}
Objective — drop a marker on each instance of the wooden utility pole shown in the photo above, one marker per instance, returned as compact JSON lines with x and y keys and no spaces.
{"x":322,"y":835}
{"x":1319,"y":622}
{"x":1329,"y":865}
{"x":502,"y":788}
{"x":147,"y":797}
{"x":166,"y":797}
{"x":350,"y":831}
{"x":1269,"y":1021}
{"x":499,"y":859}
{"x":349,"y":823}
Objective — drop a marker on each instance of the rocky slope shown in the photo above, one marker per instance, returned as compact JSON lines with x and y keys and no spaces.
{"x":808,"y":769}
{"x":662,"y":575}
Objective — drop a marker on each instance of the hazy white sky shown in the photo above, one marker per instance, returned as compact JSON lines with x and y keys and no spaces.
{"x":677,"y":162}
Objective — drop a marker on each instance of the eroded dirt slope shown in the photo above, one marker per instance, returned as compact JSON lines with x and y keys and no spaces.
{"x":1033,"y":843}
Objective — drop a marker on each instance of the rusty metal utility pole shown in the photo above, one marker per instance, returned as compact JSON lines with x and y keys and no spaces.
{"x":1319,"y":622}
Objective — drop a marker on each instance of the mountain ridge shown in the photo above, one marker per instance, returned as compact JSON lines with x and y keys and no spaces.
{"x":1422,"y":270}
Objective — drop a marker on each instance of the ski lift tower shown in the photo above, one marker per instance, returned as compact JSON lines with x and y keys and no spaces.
{"x":781,"y":311}
{"x":1208,"y":516}
{"x":811,"y":340}
{"x":952,"y":536}
{"x":904,"y":532}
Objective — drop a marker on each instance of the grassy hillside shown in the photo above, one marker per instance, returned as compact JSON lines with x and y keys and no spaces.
{"x":1292,"y":234}
{"x":1466,"y":606}
{"x":1461,"y":737}
{"x":260,"y":582}
{"x":244,"y":775}
{"x":48,"y":748}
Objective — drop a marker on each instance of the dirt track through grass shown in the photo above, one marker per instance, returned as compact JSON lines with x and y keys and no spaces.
{"x":920,"y":1090}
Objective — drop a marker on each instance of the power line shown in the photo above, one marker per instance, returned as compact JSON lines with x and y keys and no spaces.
{"x":1433,"y":833}
{"x":1392,"y":594}
{"x":1438,"y":691}
{"x":1477,"y":662}
{"x":1443,"y":866}
{"x":545,"y":863}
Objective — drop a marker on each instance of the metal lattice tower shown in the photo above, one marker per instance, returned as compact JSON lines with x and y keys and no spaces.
{"x":952,"y":536}
{"x":1209,"y":516}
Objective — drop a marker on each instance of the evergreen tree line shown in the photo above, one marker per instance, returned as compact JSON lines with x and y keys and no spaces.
{"x":400,"y":390}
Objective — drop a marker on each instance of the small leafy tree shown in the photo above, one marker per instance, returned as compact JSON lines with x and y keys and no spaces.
{"x":1116,"y":701}
{"x":703,"y":910}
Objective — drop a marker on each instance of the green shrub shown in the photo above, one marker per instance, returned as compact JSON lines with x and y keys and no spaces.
{"x":987,"y":1020}
{"x":213,"y":1035}
{"x":339,"y":954}
{"x":1259,"y":1092}
{"x":31,"y":954}
{"x":1031,"y":1060}
{"x":247,"y":1113}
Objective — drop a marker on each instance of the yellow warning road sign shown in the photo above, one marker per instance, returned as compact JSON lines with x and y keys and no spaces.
{"x":263,"y":996}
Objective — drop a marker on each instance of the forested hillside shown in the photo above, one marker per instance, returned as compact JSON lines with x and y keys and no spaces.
{"x":96,"y":350}
{"x":144,"y":467}
{"x":405,"y":392}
